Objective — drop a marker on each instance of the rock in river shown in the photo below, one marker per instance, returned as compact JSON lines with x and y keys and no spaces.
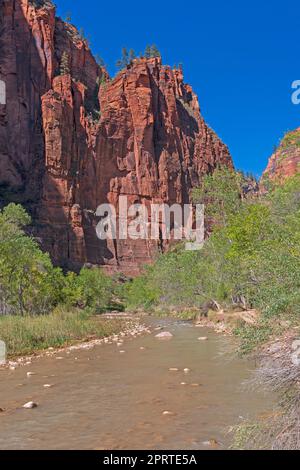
{"x":164,"y":335}
{"x":30,"y":405}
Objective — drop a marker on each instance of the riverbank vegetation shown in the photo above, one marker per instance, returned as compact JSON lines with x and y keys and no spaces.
{"x":250,"y":261}
{"x":28,"y":335}
{"x":40,"y":306}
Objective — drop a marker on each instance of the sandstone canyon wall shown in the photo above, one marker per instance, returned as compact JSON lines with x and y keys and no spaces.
{"x":73,"y":140}
{"x":285,"y":161}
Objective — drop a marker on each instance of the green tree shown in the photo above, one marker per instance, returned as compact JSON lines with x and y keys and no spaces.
{"x":124,"y":61}
{"x":221,"y":193}
{"x":147,"y":53}
{"x":131,"y":55}
{"x":151,"y":51}
{"x":28,"y":282}
{"x":90,"y":289}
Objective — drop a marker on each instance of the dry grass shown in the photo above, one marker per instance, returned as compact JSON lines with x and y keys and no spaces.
{"x":277,"y":373}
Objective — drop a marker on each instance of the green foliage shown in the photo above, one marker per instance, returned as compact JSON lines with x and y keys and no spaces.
{"x":90,"y":289}
{"x":126,"y":58}
{"x":251,"y":259}
{"x":221,"y":192}
{"x":28,"y":281}
{"x":30,"y":285}
{"x":151,"y":51}
{"x":142,"y":291}
{"x":60,"y":328}
{"x":291,"y":139}
{"x":15,"y":215}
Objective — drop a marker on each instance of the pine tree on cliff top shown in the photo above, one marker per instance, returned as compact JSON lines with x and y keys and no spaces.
{"x":124,"y":61}
{"x":131,"y":55}
{"x":152,"y":51}
{"x":148,"y":52}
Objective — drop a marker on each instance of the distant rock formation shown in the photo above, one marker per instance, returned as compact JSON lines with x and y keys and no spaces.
{"x":285,"y":161}
{"x":71,"y":138}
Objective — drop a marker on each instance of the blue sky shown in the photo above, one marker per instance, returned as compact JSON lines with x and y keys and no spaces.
{"x":241,"y":58}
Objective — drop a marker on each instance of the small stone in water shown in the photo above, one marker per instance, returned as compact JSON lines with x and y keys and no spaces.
{"x":173,"y":369}
{"x":168,"y":413}
{"x":30,"y":405}
{"x":29,"y":374}
{"x":203,"y":338}
{"x":186,"y":371}
{"x":47,"y":386}
{"x":164,"y":335}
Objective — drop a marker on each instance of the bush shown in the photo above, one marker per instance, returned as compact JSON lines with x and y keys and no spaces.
{"x":251,"y":260}
{"x":30,"y":285}
{"x":90,"y":289}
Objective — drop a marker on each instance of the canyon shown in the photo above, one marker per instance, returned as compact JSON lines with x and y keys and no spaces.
{"x":72,"y":138}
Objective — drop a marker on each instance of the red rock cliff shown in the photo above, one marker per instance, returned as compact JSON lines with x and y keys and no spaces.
{"x":285,"y":161}
{"x":73,"y":140}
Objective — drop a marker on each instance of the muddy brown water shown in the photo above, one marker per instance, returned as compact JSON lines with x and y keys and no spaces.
{"x":103,"y":399}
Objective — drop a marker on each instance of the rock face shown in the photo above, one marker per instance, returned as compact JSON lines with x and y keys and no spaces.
{"x":72,"y":139}
{"x":285,"y":161}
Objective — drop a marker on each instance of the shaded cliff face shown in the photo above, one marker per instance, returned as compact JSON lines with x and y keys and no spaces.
{"x":285,"y":161}
{"x":70,"y":142}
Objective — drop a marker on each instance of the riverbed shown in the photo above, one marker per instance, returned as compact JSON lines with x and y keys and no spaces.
{"x":181,"y":393}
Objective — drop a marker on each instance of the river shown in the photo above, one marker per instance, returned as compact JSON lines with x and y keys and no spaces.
{"x":107,"y":399}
